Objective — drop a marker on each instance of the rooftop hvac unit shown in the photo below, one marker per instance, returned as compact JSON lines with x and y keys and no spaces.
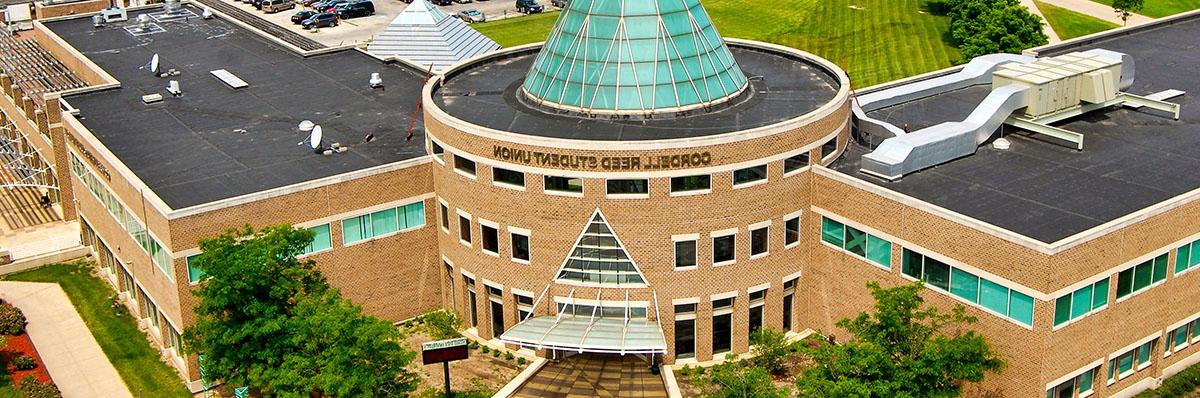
{"x":172,"y":7}
{"x":114,"y":14}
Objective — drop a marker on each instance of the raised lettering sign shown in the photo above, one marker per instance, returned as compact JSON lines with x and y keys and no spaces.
{"x":612,"y":163}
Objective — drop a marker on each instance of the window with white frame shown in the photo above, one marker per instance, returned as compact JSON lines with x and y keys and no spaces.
{"x":722,"y":325}
{"x":685,"y":330}
{"x":967,"y":286}
{"x":749,"y":175}
{"x":796,"y":162}
{"x":685,"y":253}
{"x":509,"y":177}
{"x":724,"y":248}
{"x":1081,"y":302}
{"x":1142,"y":276}
{"x":873,"y":248}
{"x":464,"y":165}
{"x":696,"y":183}
{"x":322,"y":240}
{"x":757,"y":299}
{"x":1180,"y":337}
{"x":524,"y":306}
{"x":628,"y":187}
{"x":489,"y":238}
{"x":568,"y":185}
{"x":1078,"y":386}
{"x":791,"y":231}
{"x":1187,"y":256}
{"x":445,"y":216}
{"x":760,"y":241}
{"x":383,"y":222}
{"x":464,"y":229}
{"x":1130,"y":361}
{"x":520,"y":246}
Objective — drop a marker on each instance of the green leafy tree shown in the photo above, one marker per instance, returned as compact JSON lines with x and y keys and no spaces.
{"x":733,"y":380}
{"x":771,"y":349}
{"x":267,"y":320}
{"x":1126,"y":8}
{"x":980,"y":27}
{"x":900,"y":350}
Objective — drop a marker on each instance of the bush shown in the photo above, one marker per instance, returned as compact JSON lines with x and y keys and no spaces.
{"x":33,"y":388}
{"x":521,"y":361}
{"x":739,"y":381}
{"x":12,"y":321}
{"x":407,"y":324}
{"x":771,"y":350}
{"x":24,"y":362}
{"x":508,"y":356}
{"x":442,"y":324}
{"x":495,"y":353}
{"x":1182,"y":384}
{"x":486,"y":349}
{"x":474,"y":345}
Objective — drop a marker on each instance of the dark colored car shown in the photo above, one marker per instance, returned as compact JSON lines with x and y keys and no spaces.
{"x":441,"y":2}
{"x":559,"y":3}
{"x":256,"y":3}
{"x":299,"y":17}
{"x":320,"y":21}
{"x":329,"y":5}
{"x":529,"y":6}
{"x":355,"y":9}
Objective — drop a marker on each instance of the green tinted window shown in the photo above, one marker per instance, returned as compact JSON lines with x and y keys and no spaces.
{"x":1081,"y":301}
{"x":1144,"y":353}
{"x":414,"y":215}
{"x":937,"y":273}
{"x":993,"y":296}
{"x":879,"y":251}
{"x":912,"y":263}
{"x":1062,"y":310}
{"x":194,"y":274}
{"x":384,"y":222}
{"x":321,"y":239}
{"x":832,"y":232}
{"x":1100,"y":294}
{"x":1181,"y":336}
{"x":1160,"y":268}
{"x":856,"y":241}
{"x":1020,"y":307}
{"x":1125,"y":283}
{"x":355,"y":229}
{"x":1142,"y":274}
{"x":1085,"y":381}
{"x":964,"y":284}
{"x":1182,"y":258}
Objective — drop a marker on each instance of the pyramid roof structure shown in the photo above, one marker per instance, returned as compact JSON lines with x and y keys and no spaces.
{"x":425,"y":35}
{"x":634,"y":57}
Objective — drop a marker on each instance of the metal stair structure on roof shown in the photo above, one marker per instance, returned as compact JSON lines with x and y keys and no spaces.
{"x":425,"y":35}
{"x":263,"y":25}
{"x":644,"y":57}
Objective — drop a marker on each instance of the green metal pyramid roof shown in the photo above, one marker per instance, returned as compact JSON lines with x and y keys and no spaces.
{"x":634,"y":57}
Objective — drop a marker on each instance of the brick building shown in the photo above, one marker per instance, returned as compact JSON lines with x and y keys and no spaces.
{"x":662,"y":195}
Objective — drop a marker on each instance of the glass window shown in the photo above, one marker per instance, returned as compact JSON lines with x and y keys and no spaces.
{"x":520,"y":246}
{"x":937,"y":273}
{"x":759,"y":241}
{"x":564,"y":184}
{"x":194,"y":274}
{"x":1081,"y":301}
{"x":828,"y":148}
{"x":1062,"y":309}
{"x":464,"y":229}
{"x":489,"y":238}
{"x":685,"y":253}
{"x":691,"y":183}
{"x":856,"y":241}
{"x":722,"y":333}
{"x":1100,"y":293}
{"x":681,"y":309}
{"x":993,"y":296}
{"x":722,"y":303}
{"x":911,"y":263}
{"x":749,"y":174}
{"x":322,"y":240}
{"x":384,"y":222}
{"x":507,"y":176}
{"x":832,"y":232}
{"x":965,"y":285}
{"x":1144,"y":353}
{"x":437,"y":149}
{"x":465,"y":165}
{"x":1020,"y":307}
{"x":685,"y":338}
{"x":627,"y":187}
{"x":414,"y":215}
{"x":355,"y":229}
{"x":755,"y":317}
{"x":1160,"y":268}
{"x":723,"y":248}
{"x":791,"y":231}
{"x":795,"y":162}
{"x":879,"y":251}
{"x":445,"y":216}
{"x":1183,"y":258}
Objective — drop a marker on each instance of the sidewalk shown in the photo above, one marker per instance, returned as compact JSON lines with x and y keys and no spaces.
{"x":1098,"y":10}
{"x":70,"y":353}
{"x":1050,"y":33}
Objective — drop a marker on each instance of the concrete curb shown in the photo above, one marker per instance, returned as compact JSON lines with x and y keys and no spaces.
{"x":521,"y":378}
{"x":59,"y":256}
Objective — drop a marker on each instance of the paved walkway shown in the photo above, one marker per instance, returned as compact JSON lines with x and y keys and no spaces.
{"x":1050,"y":33}
{"x":70,"y":353}
{"x":1098,"y":10}
{"x":595,"y":375}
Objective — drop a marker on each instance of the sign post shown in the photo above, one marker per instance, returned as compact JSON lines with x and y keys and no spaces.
{"x":444,"y":351}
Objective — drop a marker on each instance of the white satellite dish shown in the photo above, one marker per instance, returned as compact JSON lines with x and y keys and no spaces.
{"x":307,"y":125}
{"x":314,"y":140}
{"x":154,"y":64}
{"x":207,"y":14}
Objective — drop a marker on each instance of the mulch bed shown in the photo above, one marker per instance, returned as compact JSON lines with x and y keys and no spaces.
{"x":22,"y":345}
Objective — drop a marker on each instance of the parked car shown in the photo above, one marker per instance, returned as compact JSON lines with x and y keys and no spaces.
{"x":302,"y":15}
{"x":441,"y":2}
{"x":464,"y":1}
{"x":355,"y":9}
{"x":320,"y":20}
{"x":308,"y":3}
{"x":559,"y":3}
{"x":529,"y":6}
{"x":272,"y":6}
{"x":328,"y":5}
{"x":256,"y":3}
{"x":471,"y":16}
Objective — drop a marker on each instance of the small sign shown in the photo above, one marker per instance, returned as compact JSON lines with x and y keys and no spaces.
{"x":444,"y":350}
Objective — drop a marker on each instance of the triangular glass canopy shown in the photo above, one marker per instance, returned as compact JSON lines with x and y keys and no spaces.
{"x":634,"y":57}
{"x":599,"y":259}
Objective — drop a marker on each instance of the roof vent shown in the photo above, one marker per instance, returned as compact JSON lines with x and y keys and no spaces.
{"x":98,"y":21}
{"x":207,"y":14}
{"x":229,"y":79}
{"x":376,"y":81}
{"x":307,"y":126}
{"x":173,"y":88}
{"x":1001,"y":144}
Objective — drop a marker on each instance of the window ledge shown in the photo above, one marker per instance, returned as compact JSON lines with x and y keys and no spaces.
{"x":791,"y":245}
{"x":520,"y":261}
{"x":759,"y":255}
{"x":724,"y":263}
{"x":464,"y":174}
{"x":691,"y":193}
{"x":514,"y":187}
{"x":464,"y":243}
{"x":750,"y":184}
{"x":568,"y":194}
{"x":490,"y":253}
{"x":689,"y":268}
{"x":628,"y":196}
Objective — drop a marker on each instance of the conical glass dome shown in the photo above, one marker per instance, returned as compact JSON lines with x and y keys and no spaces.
{"x":634,"y":57}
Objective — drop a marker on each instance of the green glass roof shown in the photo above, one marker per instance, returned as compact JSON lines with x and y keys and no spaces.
{"x":634,"y":57}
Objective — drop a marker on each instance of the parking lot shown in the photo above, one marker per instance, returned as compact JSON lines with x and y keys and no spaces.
{"x":358,"y":31}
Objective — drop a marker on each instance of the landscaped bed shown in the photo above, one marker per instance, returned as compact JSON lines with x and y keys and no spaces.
{"x":25,"y":373}
{"x":480,"y":375}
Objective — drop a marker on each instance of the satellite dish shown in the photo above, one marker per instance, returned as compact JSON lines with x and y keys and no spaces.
{"x":207,"y":14}
{"x":154,"y":64}
{"x":314,"y":140}
{"x":307,"y":125}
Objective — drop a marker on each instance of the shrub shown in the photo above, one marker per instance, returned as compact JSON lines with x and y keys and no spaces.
{"x":1182,"y":384}
{"x":442,"y":324}
{"x":771,"y":349}
{"x":474,"y":345}
{"x":33,"y":388}
{"x":739,"y":381}
{"x":495,"y":353}
{"x":508,"y":356}
{"x":486,"y":349}
{"x":24,"y":362}
{"x":685,"y":371}
{"x":408,"y":324}
{"x":521,"y":361}
{"x":12,"y":321}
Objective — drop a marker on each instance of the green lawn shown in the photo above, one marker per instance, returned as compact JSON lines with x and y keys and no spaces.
{"x":877,"y":40}
{"x":118,"y":335}
{"x":7,"y":390}
{"x":1070,"y":24}
{"x":1162,"y":8}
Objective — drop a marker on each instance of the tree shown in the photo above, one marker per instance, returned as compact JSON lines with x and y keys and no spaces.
{"x":771,"y":349}
{"x":269,"y":321}
{"x":980,"y":27}
{"x":1126,"y":8}
{"x":901,"y":350}
{"x":734,"y":380}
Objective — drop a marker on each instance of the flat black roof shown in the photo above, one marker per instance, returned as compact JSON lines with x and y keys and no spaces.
{"x":782,"y":87}
{"x":215,"y":142}
{"x":1132,"y":159}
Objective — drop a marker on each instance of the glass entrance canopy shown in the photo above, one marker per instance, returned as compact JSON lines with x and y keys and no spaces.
{"x":633,"y":57}
{"x":588,"y":334}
